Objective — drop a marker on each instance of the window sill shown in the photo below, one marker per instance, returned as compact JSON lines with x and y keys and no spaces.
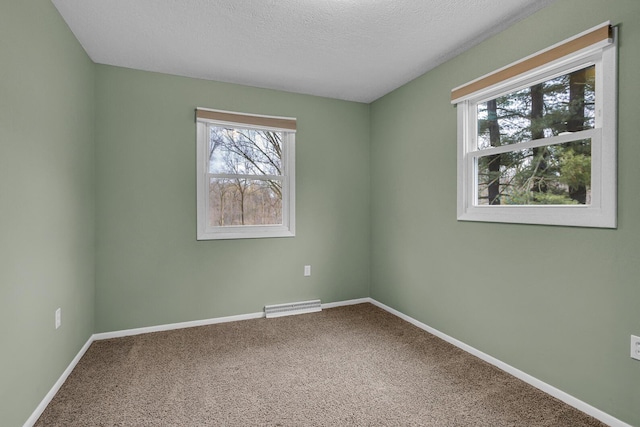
{"x":245,"y":232}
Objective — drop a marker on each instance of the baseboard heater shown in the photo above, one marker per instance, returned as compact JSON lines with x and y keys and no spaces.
{"x":279,"y":310}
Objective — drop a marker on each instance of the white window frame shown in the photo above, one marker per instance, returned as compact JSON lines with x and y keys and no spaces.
{"x":601,"y":212}
{"x":206,"y":232}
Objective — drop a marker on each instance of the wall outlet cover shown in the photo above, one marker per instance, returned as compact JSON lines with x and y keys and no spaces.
{"x":58,"y":318}
{"x":635,"y":347}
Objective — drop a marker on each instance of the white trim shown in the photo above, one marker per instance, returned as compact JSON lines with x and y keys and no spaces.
{"x":211,"y":321}
{"x":549,"y":389}
{"x":541,"y":385}
{"x":288,"y":179}
{"x":347,"y":302}
{"x":49,"y":396}
{"x":179,"y":325}
{"x":602,"y":211}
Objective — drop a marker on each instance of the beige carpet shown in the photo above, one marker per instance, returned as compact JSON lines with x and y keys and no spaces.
{"x":347,"y":366}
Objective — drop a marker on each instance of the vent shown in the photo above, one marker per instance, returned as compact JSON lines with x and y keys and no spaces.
{"x":289,"y":309}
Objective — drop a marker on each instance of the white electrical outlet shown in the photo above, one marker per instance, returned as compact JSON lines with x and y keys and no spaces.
{"x":307,"y":270}
{"x":635,"y":347}
{"x":58,"y":318}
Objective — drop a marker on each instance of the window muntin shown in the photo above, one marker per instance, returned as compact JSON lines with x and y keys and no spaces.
{"x":572,"y":128}
{"x":245,"y":180}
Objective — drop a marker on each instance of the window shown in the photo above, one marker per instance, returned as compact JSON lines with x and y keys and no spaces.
{"x":245,"y":175}
{"x":537,"y":139}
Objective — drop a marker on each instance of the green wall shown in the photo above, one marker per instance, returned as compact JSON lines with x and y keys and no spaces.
{"x":558,"y":303}
{"x":150,"y":268}
{"x":46,"y":202}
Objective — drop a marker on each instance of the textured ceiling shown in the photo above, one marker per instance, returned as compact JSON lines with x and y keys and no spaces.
{"x":356,"y":50}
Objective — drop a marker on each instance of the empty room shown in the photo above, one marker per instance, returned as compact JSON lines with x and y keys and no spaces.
{"x":319,"y":212}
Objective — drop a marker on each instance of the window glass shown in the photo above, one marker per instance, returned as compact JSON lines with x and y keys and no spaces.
{"x":244,"y":151}
{"x":238,"y":159}
{"x":562,"y":104}
{"x":239,"y":201}
{"x":557,"y":174}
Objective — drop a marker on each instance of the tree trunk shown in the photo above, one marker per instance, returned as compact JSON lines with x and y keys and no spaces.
{"x":241,"y":189}
{"x":222,"y":193}
{"x":537,"y":132}
{"x":577,"y":81}
{"x":494,"y":161}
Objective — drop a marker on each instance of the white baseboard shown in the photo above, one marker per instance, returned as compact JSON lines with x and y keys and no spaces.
{"x":204,"y":322}
{"x":137,"y":331}
{"x":47,"y":399}
{"x":124,"y":333}
{"x":180,"y":325}
{"x":547,"y":388}
{"x":347,"y":302}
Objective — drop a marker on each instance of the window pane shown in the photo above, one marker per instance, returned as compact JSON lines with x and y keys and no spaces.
{"x":562,"y":104}
{"x":549,"y":175}
{"x":245,"y":151}
{"x":234,"y":202}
